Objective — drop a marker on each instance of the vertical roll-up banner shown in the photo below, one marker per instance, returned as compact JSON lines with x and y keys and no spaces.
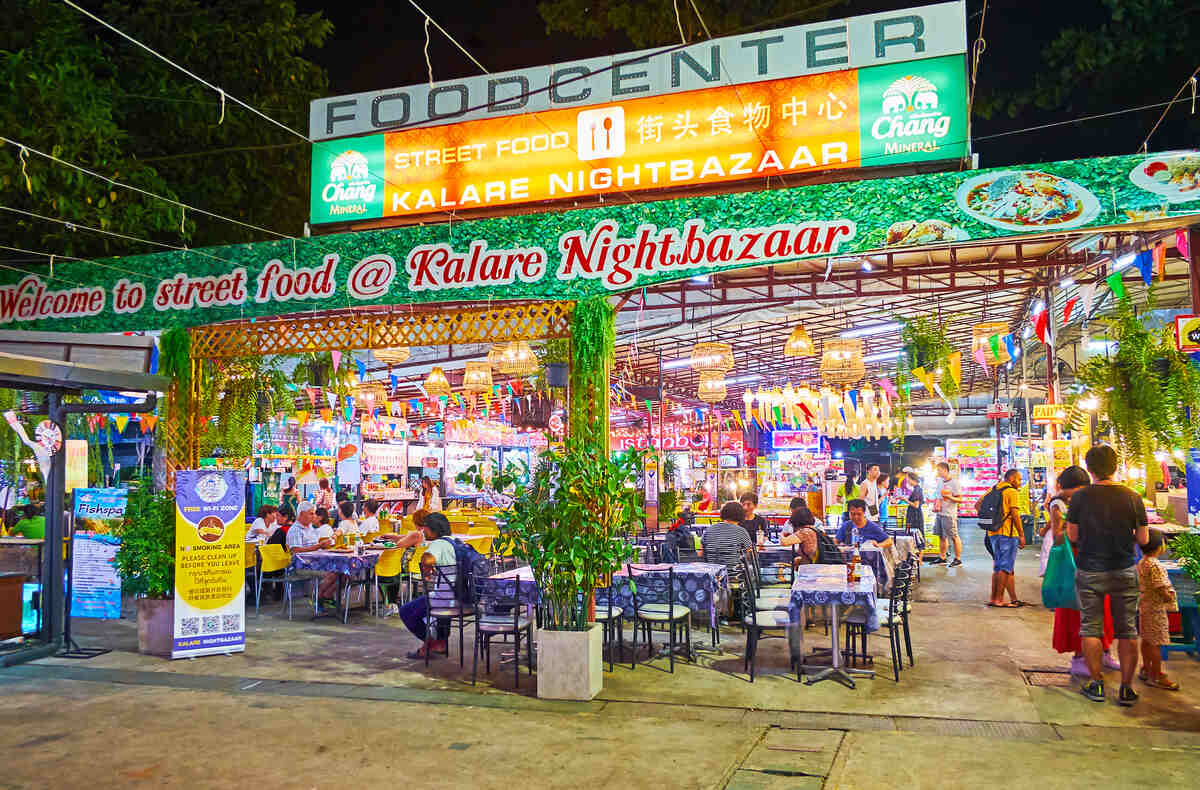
{"x":210,"y":589}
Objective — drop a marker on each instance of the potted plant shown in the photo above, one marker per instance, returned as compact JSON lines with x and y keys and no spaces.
{"x":668,"y":495}
{"x":567,"y":524}
{"x":146,"y":565}
{"x":555,"y":356}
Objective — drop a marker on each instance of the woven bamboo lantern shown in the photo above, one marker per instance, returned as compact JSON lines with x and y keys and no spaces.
{"x":799,"y":344}
{"x":393,"y":356}
{"x":496,"y":356}
{"x":518,"y":359}
{"x":712,"y":358}
{"x":980,"y":333}
{"x":478,"y":377}
{"x":842,"y":361}
{"x":712,"y":387}
{"x":369,"y":394}
{"x":437,"y":384}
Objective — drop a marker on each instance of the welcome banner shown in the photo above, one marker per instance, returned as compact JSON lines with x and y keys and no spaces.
{"x":210,"y":588}
{"x":573,"y":255}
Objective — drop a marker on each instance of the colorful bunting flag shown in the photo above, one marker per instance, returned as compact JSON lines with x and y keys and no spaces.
{"x":1040,"y":325}
{"x":332,"y":398}
{"x":394,"y":380}
{"x":1068,"y":308}
{"x":889,"y":388}
{"x":1145,"y":264}
{"x":1010,"y":343}
{"x":1087,"y":293}
{"x":337,"y":359}
{"x":1160,"y":260}
{"x":954,"y":363}
{"x":362,"y":368}
{"x":1181,"y":243}
{"x":1115,"y":284}
{"x":301,"y":417}
{"x":312,"y":395}
{"x":327,"y":415}
{"x":120,"y":420}
{"x":994,"y":344}
{"x":854,"y":399}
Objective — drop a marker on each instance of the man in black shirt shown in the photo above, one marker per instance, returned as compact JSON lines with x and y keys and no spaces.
{"x":1103,"y":521}
{"x":755,"y":525}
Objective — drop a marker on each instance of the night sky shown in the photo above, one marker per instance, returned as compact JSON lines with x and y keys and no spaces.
{"x":380,"y":44}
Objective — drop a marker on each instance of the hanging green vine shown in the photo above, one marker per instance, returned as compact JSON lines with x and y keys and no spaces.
{"x":592,"y":346}
{"x":925,"y":344}
{"x":1149,"y":391}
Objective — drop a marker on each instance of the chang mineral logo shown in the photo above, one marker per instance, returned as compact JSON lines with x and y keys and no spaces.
{"x":911,"y":119}
{"x":350,"y":189}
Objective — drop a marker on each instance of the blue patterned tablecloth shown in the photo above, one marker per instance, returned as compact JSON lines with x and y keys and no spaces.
{"x":700,"y":586}
{"x":335,"y":562}
{"x":820,"y":585}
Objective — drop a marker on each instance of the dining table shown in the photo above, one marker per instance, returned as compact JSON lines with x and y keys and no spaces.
{"x":827,"y":585}
{"x":347,"y":564}
{"x":702,"y":587}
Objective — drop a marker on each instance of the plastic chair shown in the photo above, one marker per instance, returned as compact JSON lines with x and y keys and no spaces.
{"x":276,"y":558}
{"x":250,"y":564}
{"x":390,"y":570}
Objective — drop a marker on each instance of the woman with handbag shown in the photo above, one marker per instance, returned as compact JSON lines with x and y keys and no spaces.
{"x":1058,"y":581}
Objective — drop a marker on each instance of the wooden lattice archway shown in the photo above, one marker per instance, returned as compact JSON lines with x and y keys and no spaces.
{"x":358,"y":329}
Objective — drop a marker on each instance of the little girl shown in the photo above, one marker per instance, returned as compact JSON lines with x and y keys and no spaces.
{"x":1158,"y":598}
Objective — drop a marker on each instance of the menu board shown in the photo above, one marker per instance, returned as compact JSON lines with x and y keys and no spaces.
{"x":384,"y":459}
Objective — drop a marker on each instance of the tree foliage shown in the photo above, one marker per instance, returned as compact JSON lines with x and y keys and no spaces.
{"x":78,"y":91}
{"x":1135,"y":52}
{"x":650,"y":23}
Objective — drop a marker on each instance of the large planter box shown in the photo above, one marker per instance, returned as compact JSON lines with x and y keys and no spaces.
{"x":156,"y":626}
{"x":569,"y":664}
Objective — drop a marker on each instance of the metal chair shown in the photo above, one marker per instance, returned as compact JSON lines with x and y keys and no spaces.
{"x":500,"y":610}
{"x":445,"y":595}
{"x":654,"y":604}
{"x":759,"y":621}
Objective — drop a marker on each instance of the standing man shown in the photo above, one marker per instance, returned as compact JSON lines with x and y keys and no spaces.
{"x":870,"y":492}
{"x":1103,"y":521}
{"x":1005,"y":540}
{"x":946,"y":522}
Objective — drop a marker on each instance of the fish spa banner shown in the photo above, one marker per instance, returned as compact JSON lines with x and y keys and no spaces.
{"x":95,"y":585}
{"x":572,"y":255}
{"x":210,"y":581}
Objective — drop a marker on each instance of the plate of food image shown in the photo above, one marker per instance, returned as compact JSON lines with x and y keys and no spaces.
{"x":1027,"y":200}
{"x":908,"y":233}
{"x":1174,"y":175}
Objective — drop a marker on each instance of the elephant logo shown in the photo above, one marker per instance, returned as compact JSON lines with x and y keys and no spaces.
{"x":910,"y":94}
{"x":349,"y":166}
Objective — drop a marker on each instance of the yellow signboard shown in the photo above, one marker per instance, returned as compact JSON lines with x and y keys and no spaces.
{"x":1049,"y":414}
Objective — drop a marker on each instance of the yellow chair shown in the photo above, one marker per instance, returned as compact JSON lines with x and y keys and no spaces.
{"x":391,"y":567}
{"x":481,"y":543}
{"x":277,"y":558}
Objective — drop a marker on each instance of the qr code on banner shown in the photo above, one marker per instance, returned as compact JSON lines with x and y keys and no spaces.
{"x":212,"y":623}
{"x":231,"y":622}
{"x":189,"y":626}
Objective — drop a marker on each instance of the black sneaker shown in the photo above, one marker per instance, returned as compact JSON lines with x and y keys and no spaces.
{"x":1093,"y":690}
{"x":956,"y":563}
{"x":1127,"y":697}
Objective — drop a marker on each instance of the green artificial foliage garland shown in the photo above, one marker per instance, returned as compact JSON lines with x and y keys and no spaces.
{"x":592,"y":345}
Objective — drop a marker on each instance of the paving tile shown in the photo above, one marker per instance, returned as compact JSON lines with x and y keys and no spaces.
{"x":757,"y":780}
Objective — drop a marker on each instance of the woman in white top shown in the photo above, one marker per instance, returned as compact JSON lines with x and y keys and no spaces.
{"x":263,"y":526}
{"x":348,"y":525}
{"x":431,"y":500}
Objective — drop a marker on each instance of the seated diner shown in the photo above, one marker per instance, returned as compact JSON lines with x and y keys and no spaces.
{"x":858,"y":530}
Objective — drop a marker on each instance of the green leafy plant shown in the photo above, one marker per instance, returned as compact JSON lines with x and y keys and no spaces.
{"x":1149,"y":391}
{"x":567,"y":524}
{"x":1186,"y":549}
{"x":668,"y":495}
{"x":146,"y":559}
{"x":925,"y":345}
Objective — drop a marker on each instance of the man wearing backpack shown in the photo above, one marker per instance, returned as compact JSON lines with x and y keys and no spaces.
{"x":1000,"y":514}
{"x":439,"y":550}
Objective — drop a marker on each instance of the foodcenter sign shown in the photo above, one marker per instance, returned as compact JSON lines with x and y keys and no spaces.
{"x":858,"y":42}
{"x":685,"y":118}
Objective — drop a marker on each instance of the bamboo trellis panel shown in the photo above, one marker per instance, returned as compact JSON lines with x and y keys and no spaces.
{"x":338,"y":332}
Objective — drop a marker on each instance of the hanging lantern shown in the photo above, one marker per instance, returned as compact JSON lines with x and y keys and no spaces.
{"x":370,"y":394}
{"x":842,"y":361}
{"x":495,"y":356}
{"x":393,"y":356}
{"x":980,"y":339}
{"x":518,"y":359}
{"x":712,"y":387}
{"x":437,"y":384}
{"x":712,"y":358}
{"x":478,"y":377}
{"x":799,"y":344}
